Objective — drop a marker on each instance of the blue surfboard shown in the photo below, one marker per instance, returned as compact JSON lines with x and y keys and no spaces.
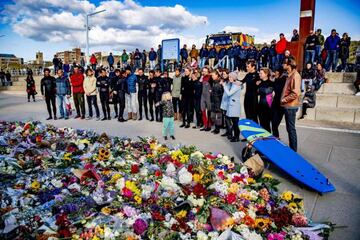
{"x":284,"y":157}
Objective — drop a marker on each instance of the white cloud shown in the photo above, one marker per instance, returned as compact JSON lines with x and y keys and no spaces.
{"x":124,"y":23}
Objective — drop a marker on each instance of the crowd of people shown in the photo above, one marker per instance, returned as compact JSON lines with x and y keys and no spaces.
{"x":5,"y":78}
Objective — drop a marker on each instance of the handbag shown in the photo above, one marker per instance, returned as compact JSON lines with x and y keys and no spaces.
{"x":68,"y":106}
{"x":269,"y":99}
{"x":256,"y":164}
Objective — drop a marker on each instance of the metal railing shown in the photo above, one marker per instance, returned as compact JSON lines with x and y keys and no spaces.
{"x":225,"y":61}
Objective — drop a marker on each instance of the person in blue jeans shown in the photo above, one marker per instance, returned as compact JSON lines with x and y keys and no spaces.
{"x":332,"y":44}
{"x":290,"y":100}
{"x":168,"y":115}
{"x":310,"y":47}
{"x":63,"y":91}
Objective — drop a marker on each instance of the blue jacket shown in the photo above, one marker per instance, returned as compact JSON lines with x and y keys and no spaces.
{"x":204,"y":53}
{"x":236,"y":50}
{"x":225,"y":100}
{"x":243,"y":53}
{"x":184,"y":53}
{"x":252,"y":54}
{"x":110,"y":59}
{"x":222,"y":53}
{"x":230,"y":52}
{"x":233,"y":92}
{"x":212,"y":53}
{"x":131,"y":81}
{"x":152,"y":56}
{"x":332,"y":43}
{"x":63,"y":86}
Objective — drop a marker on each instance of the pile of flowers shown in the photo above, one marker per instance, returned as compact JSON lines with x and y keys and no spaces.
{"x":61,"y":183}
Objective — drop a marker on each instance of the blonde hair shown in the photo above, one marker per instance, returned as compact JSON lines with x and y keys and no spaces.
{"x":166,"y":96}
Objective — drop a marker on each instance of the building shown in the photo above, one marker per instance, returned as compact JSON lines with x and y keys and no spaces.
{"x":7,"y":60}
{"x":71,"y":56}
{"x":102,"y":58}
{"x":39,"y":58}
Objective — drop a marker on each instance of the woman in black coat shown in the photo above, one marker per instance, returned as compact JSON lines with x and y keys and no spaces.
{"x":344,"y":50}
{"x":187,"y":98}
{"x":265,"y":90}
{"x":30,"y":86}
{"x":277,"y":111}
{"x":120,"y":89}
{"x":215,"y":98}
{"x":197,"y":99}
{"x":251,"y":93}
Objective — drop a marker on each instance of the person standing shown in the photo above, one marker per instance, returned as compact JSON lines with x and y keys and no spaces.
{"x":131,"y":96}
{"x":224,"y":106}
{"x":280,"y":50}
{"x":110,"y":60}
{"x":168,"y":111}
{"x":222,"y":53}
{"x":216,"y":96}
{"x":167,"y":82}
{"x":143,"y":59}
{"x":91,"y":93}
{"x":103,"y":83}
{"x":113,"y":99}
{"x":265,"y":90}
{"x":344,"y":50}
{"x":319,"y":46}
{"x":290,"y":100}
{"x":159,"y":54}
{"x":184,"y":55}
{"x":63,"y":91}
{"x":276,"y":109}
{"x":137,"y":58}
{"x":332,"y":45}
{"x":232,"y":89}
{"x":48,"y":91}
{"x":251,"y":97}
{"x":124,"y":59}
{"x":204,"y":54}
{"x":30,"y":86}
{"x":212,"y":57}
{"x":242,"y":58}
{"x":55,"y":63}
{"x":264,"y":56}
{"x":159,"y":90}
{"x":152,"y":58}
{"x":93,"y":61}
{"x":151,"y":93}
{"x":197,"y":99}
{"x":310,"y":47}
{"x":143,"y":83}
{"x":205,"y":99}
{"x":231,"y":54}
{"x":66,"y":68}
{"x":176,"y":88}
{"x":295,"y":36}
{"x":194,"y":53}
{"x":187,"y":98}
{"x":272,"y":55}
{"x":77,"y":83}
{"x":120,"y":90}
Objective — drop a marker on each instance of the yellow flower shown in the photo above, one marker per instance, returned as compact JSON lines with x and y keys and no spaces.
{"x":211,"y":167}
{"x":99,"y":230}
{"x":115,"y":177}
{"x":35,"y":185}
{"x":67,"y":157}
{"x":197,"y":177}
{"x":138,"y":199}
{"x":262,"y":223}
{"x":233,"y":188}
{"x":251,"y":181}
{"x":287,"y":196}
{"x":184,"y":158}
{"x":132,"y":186}
{"x":95,"y":238}
{"x":293,"y":207}
{"x":106,"y":210}
{"x":181,"y":214}
{"x":266,"y":175}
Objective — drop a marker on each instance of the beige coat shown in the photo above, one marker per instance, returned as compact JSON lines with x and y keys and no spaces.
{"x":90,"y":85}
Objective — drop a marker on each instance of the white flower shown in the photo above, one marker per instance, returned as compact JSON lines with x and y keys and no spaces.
{"x":185,"y":177}
{"x":213,"y":235}
{"x":202,"y":236}
{"x":197,"y":154}
{"x":144,"y":172}
{"x":237,"y":216}
{"x":120,"y":183}
{"x":56,"y":183}
{"x":254,"y":195}
{"x":170,"y":169}
{"x":169,"y":184}
{"x":225,"y":160}
{"x":146,"y":191}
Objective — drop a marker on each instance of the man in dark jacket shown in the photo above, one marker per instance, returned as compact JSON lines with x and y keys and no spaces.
{"x":242,"y":58}
{"x":110,"y":60}
{"x":56,"y":63}
{"x":231,"y":54}
{"x":137,"y":58}
{"x":216,"y":96}
{"x":264,"y":56}
{"x":48,"y":90}
{"x":332,"y":44}
{"x":222,"y":53}
{"x":187,"y":98}
{"x":103,"y":83}
{"x":151,"y":93}
{"x":159,"y":89}
{"x":184,"y":54}
{"x":295,"y":36}
{"x":143,"y":83}
{"x":212,"y":56}
{"x":120,"y":90}
{"x":272,"y":55}
{"x":310,"y":47}
{"x":204,"y":54}
{"x":152,"y":58}
{"x":143,"y":59}
{"x":63,"y":91}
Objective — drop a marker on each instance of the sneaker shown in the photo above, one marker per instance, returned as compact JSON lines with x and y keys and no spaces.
{"x":140,"y":118}
{"x":182,"y":125}
{"x":82,"y":117}
{"x":103,"y":119}
{"x":28,"y":100}
{"x":66,"y":118}
{"x":165,"y":138}
{"x":203,"y":129}
{"x":152,"y":119}
{"x":98,"y":119}
{"x":187,"y":126}
{"x":224,"y":134}
{"x":116,"y":116}
{"x":49,"y":118}
{"x":194,"y":127}
{"x":208,"y":129}
{"x":77,"y":116}
{"x":216,"y":131}
{"x":172,"y":137}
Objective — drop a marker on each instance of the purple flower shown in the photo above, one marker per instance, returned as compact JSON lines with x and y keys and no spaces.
{"x":140,"y":226}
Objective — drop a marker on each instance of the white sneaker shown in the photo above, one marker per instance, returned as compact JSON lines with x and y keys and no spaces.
{"x":357,"y":94}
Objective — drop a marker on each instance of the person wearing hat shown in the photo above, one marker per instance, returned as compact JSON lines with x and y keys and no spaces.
{"x":48,"y":91}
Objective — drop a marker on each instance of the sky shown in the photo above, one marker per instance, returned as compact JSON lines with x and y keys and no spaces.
{"x":56,"y":25}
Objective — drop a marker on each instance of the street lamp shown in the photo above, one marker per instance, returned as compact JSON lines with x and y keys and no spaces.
{"x":87,"y":32}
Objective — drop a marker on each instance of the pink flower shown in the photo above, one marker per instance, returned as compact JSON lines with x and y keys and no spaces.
{"x":276,"y":236}
{"x":140,"y":226}
{"x":129,"y":211}
{"x":127,"y":192}
{"x":299,"y":220}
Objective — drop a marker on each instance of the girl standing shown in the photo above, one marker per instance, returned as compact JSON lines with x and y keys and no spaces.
{"x":30,"y":86}
{"x":168,"y":115}
{"x":265,"y":89}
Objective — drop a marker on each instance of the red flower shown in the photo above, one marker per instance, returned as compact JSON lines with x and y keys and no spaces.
{"x":237,"y":179}
{"x":231,"y":198}
{"x":209,"y":156}
{"x":221,"y":175}
{"x":190,"y":168}
{"x":127,"y":192}
{"x":199,"y":190}
{"x":64,"y":233}
{"x":157,"y":216}
{"x":135,"y":168}
{"x":177,"y":163}
{"x":158,"y":173}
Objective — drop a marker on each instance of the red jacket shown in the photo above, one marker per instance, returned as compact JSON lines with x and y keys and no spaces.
{"x":77,"y":81}
{"x":281,"y":46}
{"x":93,"y":60}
